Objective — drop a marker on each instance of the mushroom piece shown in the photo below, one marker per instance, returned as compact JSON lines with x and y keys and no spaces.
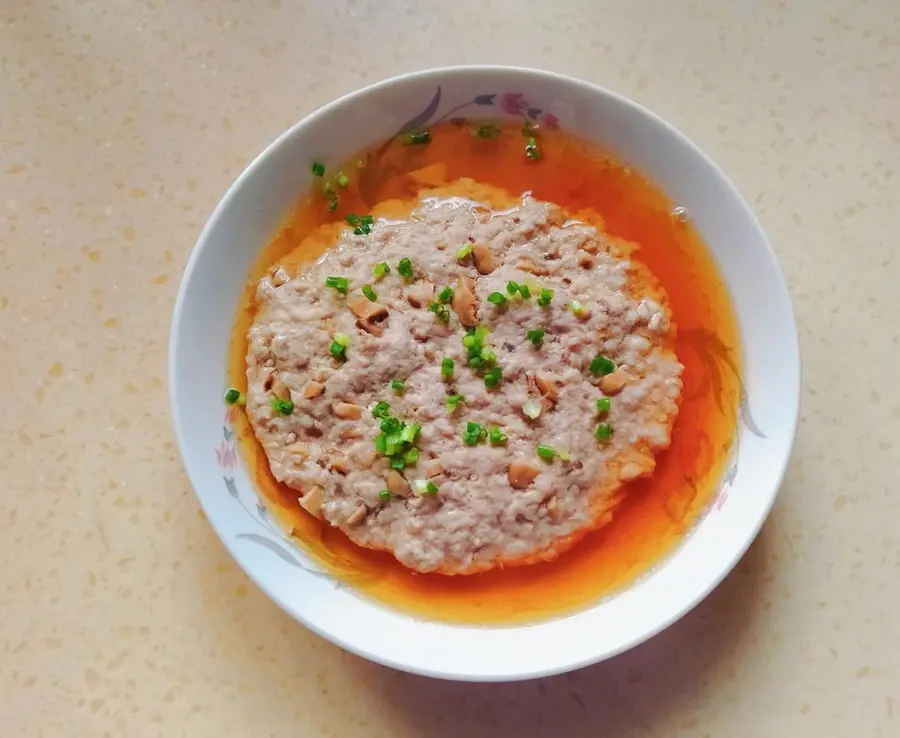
{"x":363,"y":457}
{"x":280,"y":390}
{"x":280,"y":277}
{"x":547,"y":387}
{"x":433,"y":468}
{"x":613,"y":383}
{"x":396,"y":484}
{"x":527,"y":265}
{"x":484,"y":260}
{"x":366,"y":310}
{"x":464,"y":304}
{"x":521,"y":475}
{"x":339,"y":464}
{"x":313,"y":389}
{"x":376,"y":329}
{"x":358,"y":515}
{"x":313,"y":500}
{"x":346,"y":410}
{"x":420,"y":294}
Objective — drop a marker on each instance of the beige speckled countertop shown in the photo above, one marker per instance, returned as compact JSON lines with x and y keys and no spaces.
{"x":121,"y":124}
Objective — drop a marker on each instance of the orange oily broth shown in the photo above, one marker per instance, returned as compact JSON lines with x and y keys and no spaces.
{"x":655,"y":513}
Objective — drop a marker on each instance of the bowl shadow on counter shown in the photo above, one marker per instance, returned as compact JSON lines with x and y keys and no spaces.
{"x":630,"y":694}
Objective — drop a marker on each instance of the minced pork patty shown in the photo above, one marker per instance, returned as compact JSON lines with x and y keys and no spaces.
{"x":463,"y":490}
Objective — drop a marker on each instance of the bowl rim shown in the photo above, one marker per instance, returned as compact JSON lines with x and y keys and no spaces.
{"x":779,"y":283}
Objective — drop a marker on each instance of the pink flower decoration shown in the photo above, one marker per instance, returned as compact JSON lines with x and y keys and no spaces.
{"x":551,"y":121}
{"x":513,"y":102}
{"x":226,"y":455}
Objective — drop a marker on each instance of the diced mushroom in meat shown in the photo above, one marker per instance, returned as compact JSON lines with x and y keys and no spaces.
{"x":366,"y":310}
{"x":464,"y":304}
{"x":613,"y":383}
{"x":347,"y":410}
{"x":527,"y":265}
{"x":280,"y":277}
{"x":313,"y":500}
{"x":521,"y":475}
{"x":313,"y":389}
{"x":547,"y":387}
{"x":281,"y":390}
{"x":484,"y":260}
{"x":376,"y":329}
{"x":339,"y":464}
{"x":433,"y":468}
{"x":358,"y":515}
{"x":397,"y":484}
{"x":420,"y":294}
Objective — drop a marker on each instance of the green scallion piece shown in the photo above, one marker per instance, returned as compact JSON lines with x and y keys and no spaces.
{"x":532,"y":152}
{"x":453,"y":401}
{"x":234,"y":396}
{"x":601,"y":366}
{"x":544,"y":297}
{"x":362,"y":224}
{"x":381,"y":410}
{"x":318,"y":169}
{"x":405,"y":268}
{"x":417,"y":138}
{"x":603,"y":432}
{"x":524,"y":291}
{"x":441,"y":311}
{"x":486,"y":131}
{"x":603,"y":404}
{"x":410,"y":433}
{"x":577,"y":308}
{"x":341,"y":284}
{"x":411,"y":457}
{"x":381,"y":443}
{"x":464,"y":251}
{"x":380,"y":270}
{"x":536,"y":336}
{"x":493,"y":377}
{"x":425,"y":487}
{"x":498,"y":299}
{"x":497,"y":437}
{"x":391,"y":426}
{"x":398,"y":385}
{"x":397,"y":462}
{"x":445,"y":295}
{"x":338,"y":350}
{"x":473,"y":434}
{"x":385,"y":494}
{"x":332,"y":204}
{"x":447,"y":366}
{"x":547,"y":453}
{"x":512,"y":288}
{"x":369,"y":292}
{"x":342,"y":180}
{"x":282,"y":407}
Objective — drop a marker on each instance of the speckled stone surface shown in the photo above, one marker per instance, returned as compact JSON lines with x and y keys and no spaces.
{"x":122,"y":123}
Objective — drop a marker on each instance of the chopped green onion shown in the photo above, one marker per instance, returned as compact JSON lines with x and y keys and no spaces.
{"x":411,"y":457}
{"x":381,"y":443}
{"x":603,"y":432}
{"x":441,"y":311}
{"x":512,"y":288}
{"x":577,"y":308}
{"x":464,"y":251}
{"x":380,"y":269}
{"x":234,"y":396}
{"x":546,"y":453}
{"x":385,"y":494}
{"x":447,"y":365}
{"x":342,"y":338}
{"x":601,"y":366}
{"x":425,"y":487}
{"x":362,"y":224}
{"x":524,"y":291}
{"x":445,"y":295}
{"x":410,"y":433}
{"x":390,"y":425}
{"x":417,"y":138}
{"x":404,"y":268}
{"x":493,"y":377}
{"x":318,"y":169}
{"x":332,"y":204}
{"x":453,"y":401}
{"x":282,"y":407}
{"x":381,"y":410}
{"x":398,"y":385}
{"x":338,"y":350}
{"x":498,"y":299}
{"x":487,"y":130}
{"x":398,"y":462}
{"x":532,"y":408}
{"x":545,"y":297}
{"x":341,"y":284}
{"x":532,"y":152}
{"x":369,"y":292}
{"x":497,"y":437}
{"x":342,"y":180}
{"x":536,"y":336}
{"x":603,"y":404}
{"x":487,"y":355}
{"x":473,"y":434}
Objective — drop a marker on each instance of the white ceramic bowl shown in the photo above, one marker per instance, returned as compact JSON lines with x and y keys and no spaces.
{"x":247,"y":217}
